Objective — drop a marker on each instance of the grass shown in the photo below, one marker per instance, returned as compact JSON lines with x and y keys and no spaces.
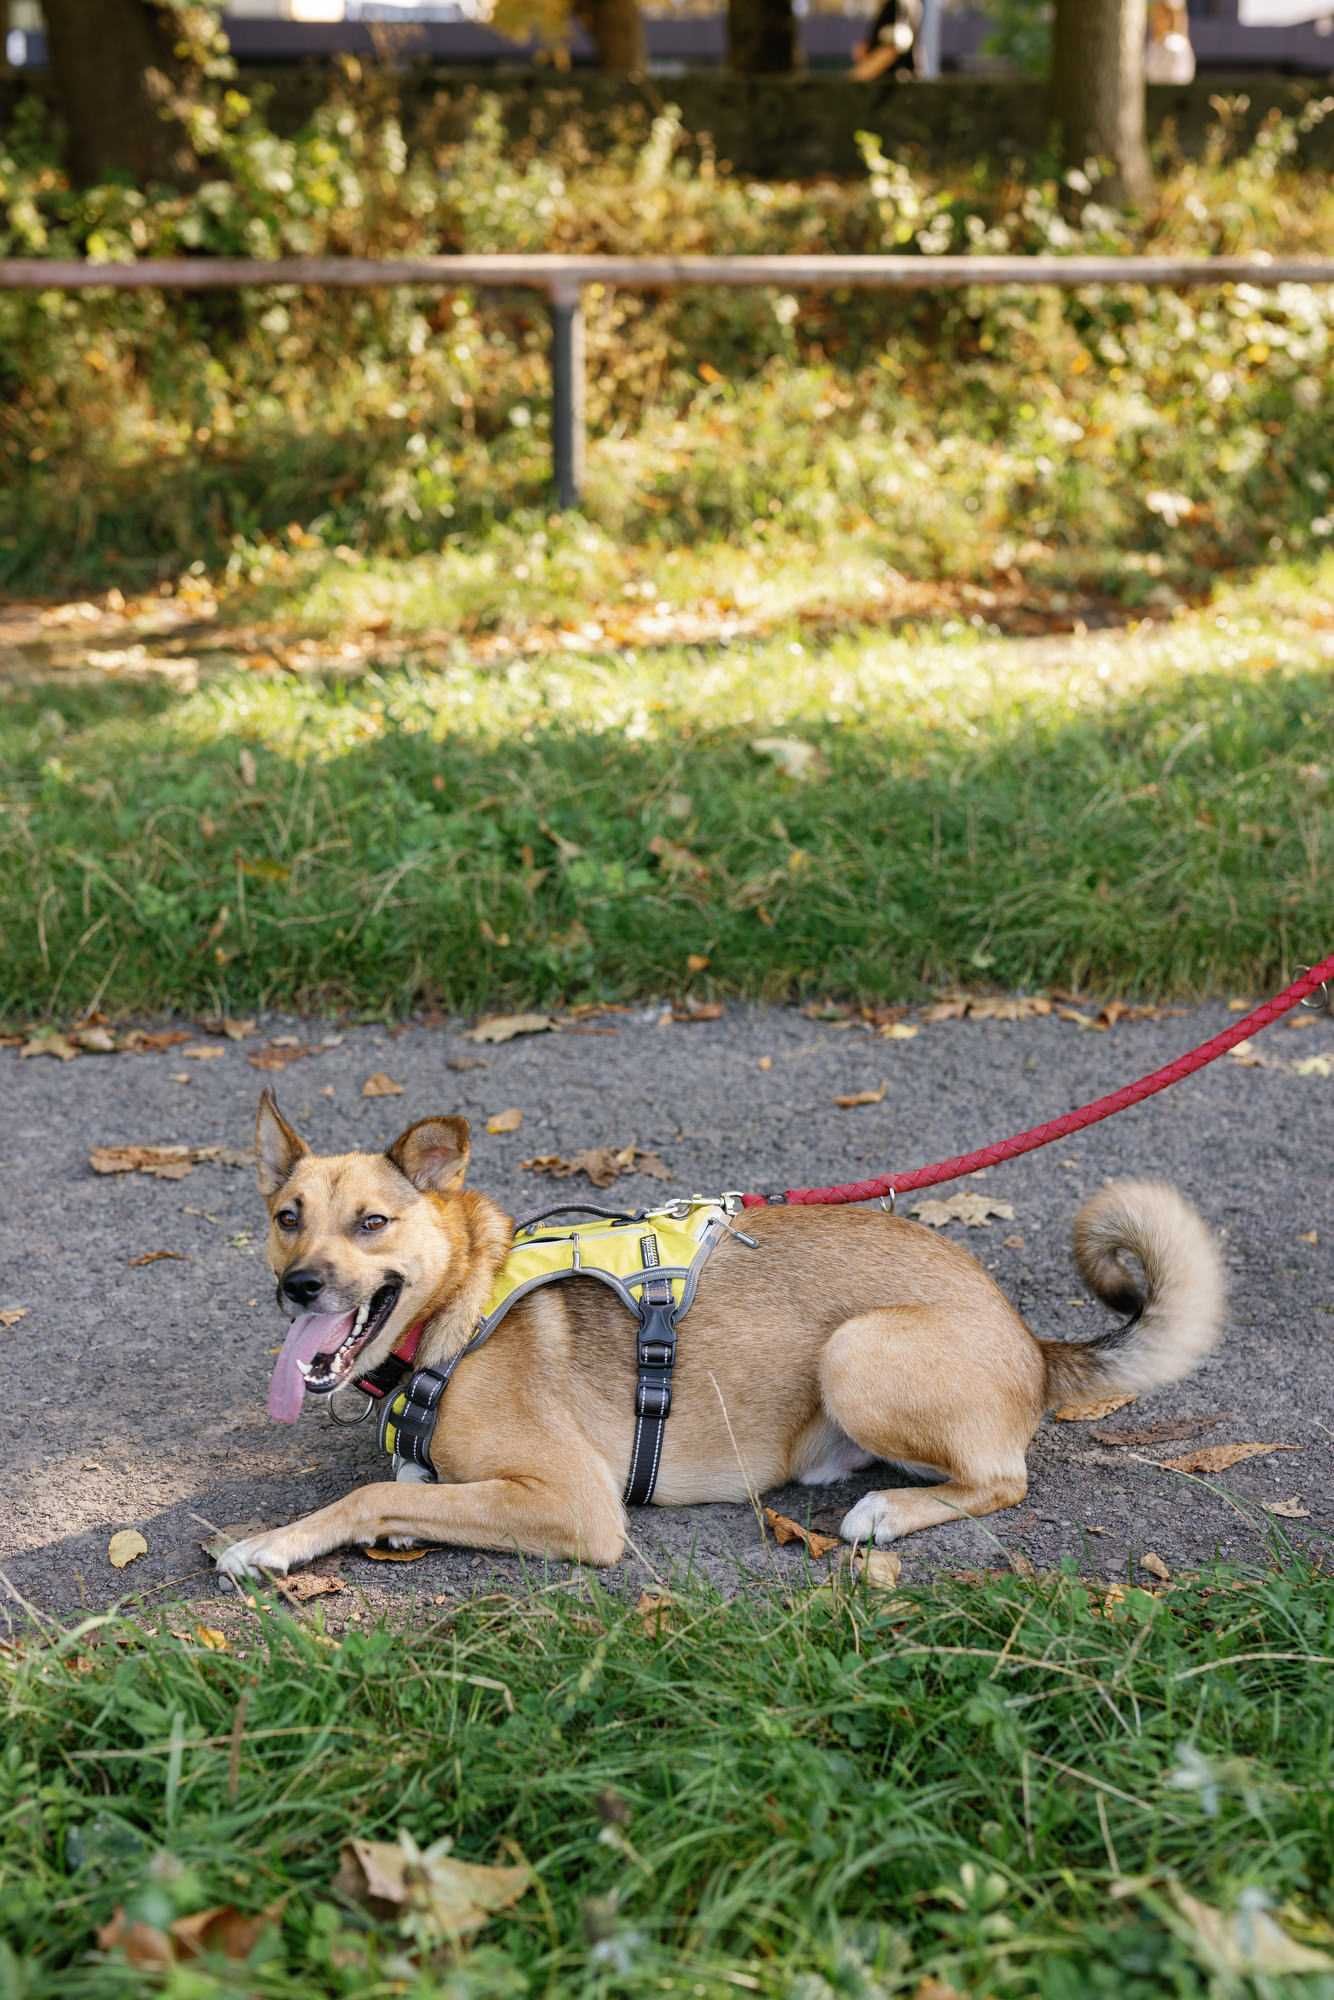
{"x":999,"y":1783}
{"x":543,"y":811}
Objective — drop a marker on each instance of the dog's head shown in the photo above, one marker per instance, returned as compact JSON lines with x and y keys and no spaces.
{"x":358,"y":1244}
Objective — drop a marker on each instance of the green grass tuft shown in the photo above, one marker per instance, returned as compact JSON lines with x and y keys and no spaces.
{"x":993,"y":1782}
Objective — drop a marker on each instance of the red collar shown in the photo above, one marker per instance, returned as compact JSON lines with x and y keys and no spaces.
{"x":396,"y":1363}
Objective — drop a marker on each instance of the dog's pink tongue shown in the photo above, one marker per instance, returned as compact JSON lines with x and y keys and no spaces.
{"x":311,"y":1334}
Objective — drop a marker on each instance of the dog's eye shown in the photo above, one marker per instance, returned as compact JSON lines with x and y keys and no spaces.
{"x":374,"y":1222}
{"x":286,"y":1218}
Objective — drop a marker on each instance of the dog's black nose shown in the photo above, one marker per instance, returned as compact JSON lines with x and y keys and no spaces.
{"x":303,"y":1287}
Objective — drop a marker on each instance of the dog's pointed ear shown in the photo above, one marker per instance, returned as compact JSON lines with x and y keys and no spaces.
{"x":433,"y":1153}
{"x":277,"y":1146}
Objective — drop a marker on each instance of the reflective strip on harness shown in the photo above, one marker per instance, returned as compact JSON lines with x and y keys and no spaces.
{"x":651,"y":1261}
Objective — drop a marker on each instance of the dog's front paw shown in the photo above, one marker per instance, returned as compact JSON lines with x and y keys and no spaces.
{"x":871,"y":1520}
{"x":272,"y":1552}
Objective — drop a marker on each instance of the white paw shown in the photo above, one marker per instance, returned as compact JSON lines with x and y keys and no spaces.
{"x":871,"y":1520}
{"x":403,"y":1542}
{"x":256,"y":1554}
{"x":412,"y":1473}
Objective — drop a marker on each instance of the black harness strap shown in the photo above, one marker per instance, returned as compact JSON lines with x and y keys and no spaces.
{"x":656,"y":1357}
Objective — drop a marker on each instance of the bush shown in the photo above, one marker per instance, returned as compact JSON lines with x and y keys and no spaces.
{"x":1129,"y":434}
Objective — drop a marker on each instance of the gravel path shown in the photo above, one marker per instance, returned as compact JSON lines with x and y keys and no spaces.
{"x":135,"y":1389}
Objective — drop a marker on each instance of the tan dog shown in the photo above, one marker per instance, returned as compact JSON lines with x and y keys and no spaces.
{"x":843,"y":1337}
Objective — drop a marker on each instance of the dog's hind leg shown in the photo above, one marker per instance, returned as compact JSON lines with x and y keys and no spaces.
{"x":902,"y":1383}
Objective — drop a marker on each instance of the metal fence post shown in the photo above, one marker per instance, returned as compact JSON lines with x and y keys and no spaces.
{"x":567,"y":393}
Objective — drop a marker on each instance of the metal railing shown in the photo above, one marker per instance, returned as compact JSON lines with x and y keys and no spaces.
{"x":563,"y":280}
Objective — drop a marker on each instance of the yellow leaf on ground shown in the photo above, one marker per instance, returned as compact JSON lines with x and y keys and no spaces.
{"x":505,"y":1121}
{"x":1245,"y":1942}
{"x":439,"y":1900}
{"x":1080,"y":1413}
{"x":505,"y":1027}
{"x":880,"y":1568}
{"x":11,"y":1315}
{"x":380,"y":1085}
{"x":899,"y":1031}
{"x":50,"y":1045}
{"x":697,"y":961}
{"x":212,"y":1637}
{"x":974,"y":1209}
{"x":786,"y":1530}
{"x":126,"y":1547}
{"x":654,"y":1613}
{"x":1218,"y":1457}
{"x":1314,"y":1066}
{"x":1155,"y":1565}
{"x":204,"y":1052}
{"x":854,"y":1098}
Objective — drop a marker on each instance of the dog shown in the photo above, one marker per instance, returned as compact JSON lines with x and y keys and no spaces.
{"x":820,"y":1341}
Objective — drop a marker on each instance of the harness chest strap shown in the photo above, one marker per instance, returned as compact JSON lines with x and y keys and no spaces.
{"x":623,"y":1252}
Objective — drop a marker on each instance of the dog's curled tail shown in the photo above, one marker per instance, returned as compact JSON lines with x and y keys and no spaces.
{"x":1177,"y":1296}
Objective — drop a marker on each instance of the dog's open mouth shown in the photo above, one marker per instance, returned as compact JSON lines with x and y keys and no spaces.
{"x":321,"y":1350}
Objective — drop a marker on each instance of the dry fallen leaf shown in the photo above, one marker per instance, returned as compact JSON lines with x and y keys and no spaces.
{"x":157,"y":1257}
{"x":654,"y":1613}
{"x":1080,"y":1413}
{"x":1166,"y":1427}
{"x":1309,"y":1236}
{"x":974,"y":1209}
{"x":600,"y":1164}
{"x":697,"y":961}
{"x":998,"y":1007}
{"x":11,"y":1315}
{"x":212,"y":1637}
{"x":504,"y":1027}
{"x":1245,"y":1942}
{"x":166,"y":1163}
{"x":786,"y":1530}
{"x":936,"y":1989}
{"x":380,"y":1085}
{"x":899,"y":1031}
{"x":379,"y":1555}
{"x":203,"y":1052}
{"x":95,"y":1040}
{"x":1287,"y":1510}
{"x":853,"y":1098}
{"x":50,"y":1045}
{"x":222,"y":1930}
{"x":505,"y":1121}
{"x":303,"y":1586}
{"x":880,"y":1568}
{"x":1218,"y":1457}
{"x":792,"y":757}
{"x":765,"y":1062}
{"x":1314,"y":1066}
{"x":429,"y":1890}
{"x":698,"y":1010}
{"x":673,"y":859}
{"x":126,"y":1546}
{"x":1155,"y":1565}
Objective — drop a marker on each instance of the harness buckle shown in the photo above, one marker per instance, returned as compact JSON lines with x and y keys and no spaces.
{"x":653,"y":1399}
{"x":657,"y":1353}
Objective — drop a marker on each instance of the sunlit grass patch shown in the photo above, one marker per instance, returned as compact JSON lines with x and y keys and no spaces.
{"x":1136,"y":809}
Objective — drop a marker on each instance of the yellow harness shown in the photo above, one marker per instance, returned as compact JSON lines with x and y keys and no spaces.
{"x":652,"y":1260}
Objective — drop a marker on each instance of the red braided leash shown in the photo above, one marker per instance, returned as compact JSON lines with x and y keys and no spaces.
{"x":1072,"y":1121}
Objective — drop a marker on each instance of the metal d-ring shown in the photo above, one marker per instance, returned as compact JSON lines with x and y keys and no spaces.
{"x":1319,"y":1001}
{"x":368,"y":1404}
{"x":887,"y":1201}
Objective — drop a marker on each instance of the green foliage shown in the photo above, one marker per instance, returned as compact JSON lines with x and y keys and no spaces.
{"x":998,"y":1784}
{"x":140,"y":432}
{"x":1021,"y":34}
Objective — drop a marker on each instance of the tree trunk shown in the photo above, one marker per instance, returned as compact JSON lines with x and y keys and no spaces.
{"x":1098,"y":84}
{"x":117,"y":80}
{"x":617,"y":31}
{"x":762,"y":37}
